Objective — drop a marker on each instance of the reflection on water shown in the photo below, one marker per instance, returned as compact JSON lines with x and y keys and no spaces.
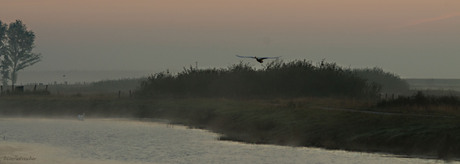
{"x":128,"y":141}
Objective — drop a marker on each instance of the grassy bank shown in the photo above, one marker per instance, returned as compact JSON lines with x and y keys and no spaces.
{"x":293,"y":122}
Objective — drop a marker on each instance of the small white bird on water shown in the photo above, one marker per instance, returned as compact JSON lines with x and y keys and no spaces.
{"x":81,"y":117}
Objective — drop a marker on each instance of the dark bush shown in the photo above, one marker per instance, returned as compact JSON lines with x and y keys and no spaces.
{"x":288,"y":79}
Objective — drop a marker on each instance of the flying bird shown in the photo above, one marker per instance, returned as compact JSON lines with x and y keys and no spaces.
{"x":259,"y":59}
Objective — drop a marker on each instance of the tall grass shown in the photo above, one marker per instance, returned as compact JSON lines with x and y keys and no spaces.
{"x":278,"y":79}
{"x":422,"y":103}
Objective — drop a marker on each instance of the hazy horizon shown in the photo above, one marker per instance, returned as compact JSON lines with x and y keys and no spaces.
{"x":411,"y":38}
{"x":77,"y":76}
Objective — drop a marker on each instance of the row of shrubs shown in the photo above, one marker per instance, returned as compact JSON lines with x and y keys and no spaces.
{"x":281,"y":79}
{"x":421,"y":99}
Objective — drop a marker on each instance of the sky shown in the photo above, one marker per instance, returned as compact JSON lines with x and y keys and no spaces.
{"x":411,"y":38}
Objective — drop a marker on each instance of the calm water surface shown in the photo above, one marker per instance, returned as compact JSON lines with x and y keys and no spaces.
{"x":130,"y":141}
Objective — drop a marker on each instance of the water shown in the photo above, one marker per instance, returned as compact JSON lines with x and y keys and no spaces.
{"x":129,"y":141}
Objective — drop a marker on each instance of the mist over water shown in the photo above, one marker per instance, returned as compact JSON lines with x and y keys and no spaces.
{"x":130,"y":141}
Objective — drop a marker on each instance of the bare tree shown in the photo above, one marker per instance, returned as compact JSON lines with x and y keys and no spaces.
{"x":18,"y":51}
{"x":3,"y":28}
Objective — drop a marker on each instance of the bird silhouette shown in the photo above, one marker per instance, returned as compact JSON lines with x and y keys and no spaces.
{"x":259,"y":59}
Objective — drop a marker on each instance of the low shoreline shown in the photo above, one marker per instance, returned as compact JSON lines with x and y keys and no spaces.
{"x":276,"y":121}
{"x":161,"y":142}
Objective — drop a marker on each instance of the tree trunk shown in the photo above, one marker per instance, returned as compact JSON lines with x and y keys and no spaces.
{"x":14,"y":76}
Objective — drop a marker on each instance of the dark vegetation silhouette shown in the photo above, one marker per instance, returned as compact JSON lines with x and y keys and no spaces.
{"x":390,"y":82}
{"x":17,"y":43}
{"x":278,"y":79}
{"x":421,"y":99}
{"x":3,"y":43}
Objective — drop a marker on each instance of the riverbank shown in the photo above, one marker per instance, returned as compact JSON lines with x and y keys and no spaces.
{"x":292,"y":122}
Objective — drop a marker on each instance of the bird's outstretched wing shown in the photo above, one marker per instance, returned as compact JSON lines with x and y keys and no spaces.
{"x":245,"y":56}
{"x":269,"y":57}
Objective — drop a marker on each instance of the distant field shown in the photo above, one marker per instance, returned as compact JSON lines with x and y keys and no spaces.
{"x":106,"y":87}
{"x":434,"y":84}
{"x":78,"y":76}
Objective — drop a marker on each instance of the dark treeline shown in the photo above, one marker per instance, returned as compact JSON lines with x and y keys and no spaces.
{"x":285,"y":79}
{"x":422,"y":100}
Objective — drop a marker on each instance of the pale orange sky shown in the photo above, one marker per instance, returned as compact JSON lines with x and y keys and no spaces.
{"x":412,"y":38}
